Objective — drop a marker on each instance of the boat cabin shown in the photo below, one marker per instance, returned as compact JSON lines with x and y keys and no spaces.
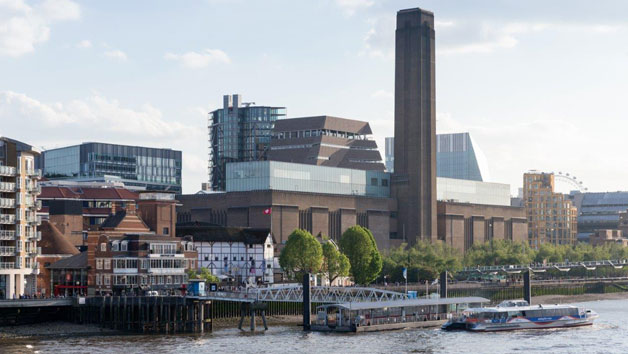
{"x":387,"y":315}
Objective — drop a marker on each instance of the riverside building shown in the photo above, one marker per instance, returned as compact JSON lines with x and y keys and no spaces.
{"x":240,"y":131}
{"x":551,"y":216}
{"x":19,"y":222}
{"x":137,"y":167}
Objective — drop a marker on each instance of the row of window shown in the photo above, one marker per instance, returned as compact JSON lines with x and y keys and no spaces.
{"x":105,"y":279}
{"x":132,"y":263}
{"x":315,"y":133}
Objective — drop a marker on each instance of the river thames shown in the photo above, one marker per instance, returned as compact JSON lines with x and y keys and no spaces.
{"x":607,"y":335}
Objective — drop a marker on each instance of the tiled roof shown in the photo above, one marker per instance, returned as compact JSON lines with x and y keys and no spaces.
{"x":53,"y":241}
{"x":78,"y":261}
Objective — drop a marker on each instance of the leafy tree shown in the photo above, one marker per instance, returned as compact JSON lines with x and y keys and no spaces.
{"x":424,"y":261}
{"x":302,"y":253}
{"x":499,"y":252}
{"x":359,"y":245}
{"x":335,"y":264}
{"x":203,"y":274}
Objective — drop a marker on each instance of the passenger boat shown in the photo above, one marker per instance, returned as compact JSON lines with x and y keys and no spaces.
{"x":389,"y":315}
{"x":518,"y":314}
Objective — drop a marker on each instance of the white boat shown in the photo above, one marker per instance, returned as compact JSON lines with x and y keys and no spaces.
{"x":518,"y":314}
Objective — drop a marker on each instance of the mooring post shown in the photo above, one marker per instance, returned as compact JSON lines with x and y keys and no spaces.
{"x":307,"y":302}
{"x":264,"y":320}
{"x":252,"y":309}
{"x":527,"y":286}
{"x":242,"y":313}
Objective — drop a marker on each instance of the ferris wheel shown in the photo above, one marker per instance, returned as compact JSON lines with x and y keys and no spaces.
{"x":570,"y":181}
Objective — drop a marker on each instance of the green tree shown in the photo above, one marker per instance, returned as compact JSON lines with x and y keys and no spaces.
{"x":203,"y":274}
{"x":302,"y":253}
{"x":335,"y":264}
{"x":359,"y":245}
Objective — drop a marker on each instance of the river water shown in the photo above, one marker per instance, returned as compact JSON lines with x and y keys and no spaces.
{"x":607,"y":335}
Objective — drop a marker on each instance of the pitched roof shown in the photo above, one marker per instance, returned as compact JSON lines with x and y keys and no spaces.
{"x":78,"y":261}
{"x":205,"y":232}
{"x":53,"y":241}
{"x":87,"y":193}
{"x":123,"y":221}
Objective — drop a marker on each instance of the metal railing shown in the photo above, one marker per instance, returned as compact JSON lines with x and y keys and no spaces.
{"x":541,"y":267}
{"x":7,"y":187}
{"x":7,"y":203}
{"x":7,"y":171}
{"x":34,"y":235}
{"x":7,"y":251}
{"x":34,"y":173}
{"x":7,"y":235}
{"x":7,"y":219}
{"x":7,"y":265}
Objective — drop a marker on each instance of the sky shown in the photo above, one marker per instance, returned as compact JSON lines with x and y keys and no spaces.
{"x":538,"y":84}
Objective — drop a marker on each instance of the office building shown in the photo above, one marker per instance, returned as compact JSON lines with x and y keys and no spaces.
{"x":414,"y":178}
{"x":458,"y":156}
{"x":237,"y":253}
{"x":19,"y":234}
{"x":551,"y":216}
{"x":138,"y":168}
{"x":325,"y":141}
{"x":598,"y":211}
{"x":240,"y":131}
{"x":604,"y":237}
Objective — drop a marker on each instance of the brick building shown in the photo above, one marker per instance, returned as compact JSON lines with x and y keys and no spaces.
{"x":130,"y":255}
{"x":54,"y":247}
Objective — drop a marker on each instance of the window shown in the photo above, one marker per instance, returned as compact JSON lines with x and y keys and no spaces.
{"x":99,"y":264}
{"x":216,"y":258}
{"x":166,"y":231}
{"x":107,"y":263}
{"x":144,"y":263}
{"x":384,"y":182}
{"x":114,"y":246}
{"x":103,"y":247}
{"x":98,"y":279}
{"x":107,"y":279}
{"x":374,"y":182}
{"x":123,"y":246}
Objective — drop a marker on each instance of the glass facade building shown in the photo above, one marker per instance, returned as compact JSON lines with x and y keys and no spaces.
{"x":457,"y":156}
{"x":286,"y":176}
{"x":137,"y":167}
{"x":238,"y":132}
{"x":475,"y":192}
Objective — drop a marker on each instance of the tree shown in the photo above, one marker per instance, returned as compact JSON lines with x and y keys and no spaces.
{"x":302,"y":253}
{"x":359,"y":245}
{"x":203,"y":274}
{"x":335,"y":264}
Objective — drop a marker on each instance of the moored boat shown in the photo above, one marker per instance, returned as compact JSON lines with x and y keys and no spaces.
{"x":518,"y":314}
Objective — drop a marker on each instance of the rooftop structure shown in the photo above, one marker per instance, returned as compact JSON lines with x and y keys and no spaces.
{"x":326,"y":141}
{"x":137,"y":167}
{"x":238,"y":132}
{"x":457,"y":156}
{"x":598,"y":211}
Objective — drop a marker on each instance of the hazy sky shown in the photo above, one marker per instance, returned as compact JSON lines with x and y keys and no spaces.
{"x":539,"y":84}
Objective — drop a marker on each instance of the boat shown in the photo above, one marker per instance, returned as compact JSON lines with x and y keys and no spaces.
{"x":389,"y":315}
{"x":519,"y":314}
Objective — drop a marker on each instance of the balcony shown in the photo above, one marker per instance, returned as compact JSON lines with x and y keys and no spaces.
{"x":7,"y":187}
{"x":7,"y":203}
{"x":34,"y":235}
{"x":34,"y":251}
{"x":34,"y":173}
{"x":7,"y":235}
{"x":7,"y":265}
{"x":7,"y":251}
{"x":34,"y":220}
{"x":7,"y":219}
{"x":166,"y":270}
{"x":7,"y":171}
{"x":34,"y":188}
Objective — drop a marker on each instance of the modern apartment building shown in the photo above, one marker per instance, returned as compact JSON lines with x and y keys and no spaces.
{"x":551,"y":216}
{"x":19,"y":222}
{"x":139,"y":168}
{"x":240,"y":131}
{"x":325,"y":141}
{"x":457,"y":156}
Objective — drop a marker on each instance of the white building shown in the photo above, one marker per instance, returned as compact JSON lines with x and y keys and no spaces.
{"x":243,"y":254}
{"x":19,"y":234}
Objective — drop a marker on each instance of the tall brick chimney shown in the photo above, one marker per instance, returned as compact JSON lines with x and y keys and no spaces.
{"x":158,"y":210}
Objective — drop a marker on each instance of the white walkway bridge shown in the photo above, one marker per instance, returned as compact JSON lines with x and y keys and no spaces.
{"x":319,"y":294}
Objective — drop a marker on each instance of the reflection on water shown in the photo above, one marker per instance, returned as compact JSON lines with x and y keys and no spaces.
{"x":607,"y":335}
